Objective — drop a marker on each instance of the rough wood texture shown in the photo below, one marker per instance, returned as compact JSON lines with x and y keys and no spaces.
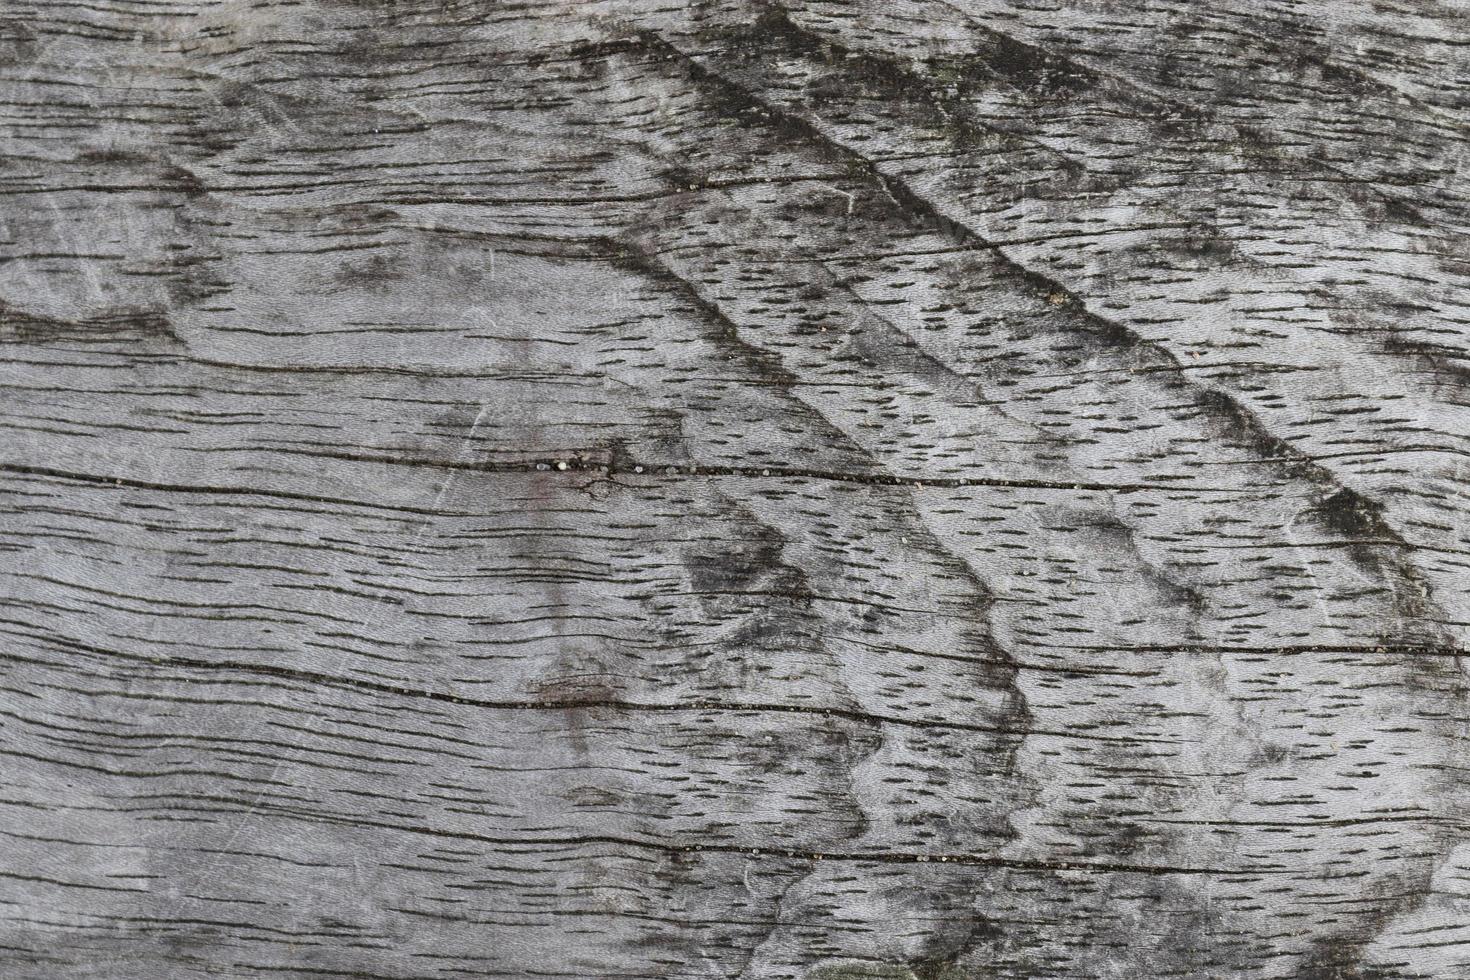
{"x":910,"y":489}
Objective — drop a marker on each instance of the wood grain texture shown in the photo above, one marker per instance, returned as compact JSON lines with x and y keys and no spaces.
{"x":919,"y":489}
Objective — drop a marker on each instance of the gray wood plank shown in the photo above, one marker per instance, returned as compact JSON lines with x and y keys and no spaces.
{"x":929,"y":489}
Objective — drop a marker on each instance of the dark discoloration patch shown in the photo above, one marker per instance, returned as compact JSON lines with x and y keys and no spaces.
{"x":147,"y":328}
{"x":1350,"y":515}
{"x":19,"y":45}
{"x":1111,"y":536}
{"x":1360,"y":523}
{"x":760,"y":604}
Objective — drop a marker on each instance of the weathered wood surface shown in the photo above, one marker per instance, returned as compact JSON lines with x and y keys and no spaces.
{"x":901,"y":488}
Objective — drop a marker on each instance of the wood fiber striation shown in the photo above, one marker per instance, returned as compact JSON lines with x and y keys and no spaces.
{"x":918,"y":490}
